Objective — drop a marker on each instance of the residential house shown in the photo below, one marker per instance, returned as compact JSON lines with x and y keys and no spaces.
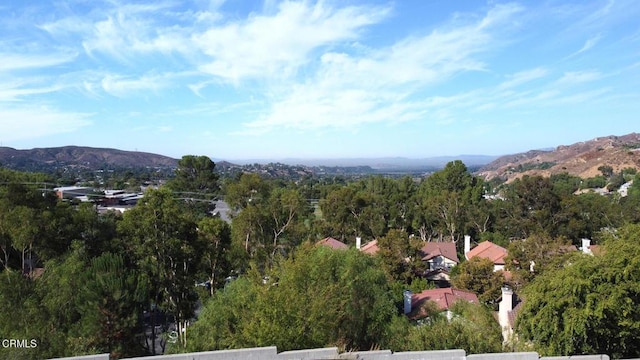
{"x":488,"y":250}
{"x":444,"y":299}
{"x":370,"y":248}
{"x":440,"y":257}
{"x":332,"y":243}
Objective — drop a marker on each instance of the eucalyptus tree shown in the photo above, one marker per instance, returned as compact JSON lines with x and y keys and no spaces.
{"x":531,"y":205}
{"x":215,"y":235}
{"x":445,"y":199}
{"x":163,"y":242}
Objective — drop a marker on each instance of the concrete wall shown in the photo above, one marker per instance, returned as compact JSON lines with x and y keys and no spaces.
{"x":309,"y":354}
{"x":505,"y":356}
{"x":431,"y":355}
{"x":265,"y":353}
{"x":577,"y":357}
{"x":271,"y":353}
{"x":87,"y":357}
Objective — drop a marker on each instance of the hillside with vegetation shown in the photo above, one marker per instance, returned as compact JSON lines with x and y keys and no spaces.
{"x":41,"y":159}
{"x":582,"y":159}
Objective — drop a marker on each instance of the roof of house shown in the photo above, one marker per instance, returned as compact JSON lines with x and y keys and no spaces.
{"x":594,"y":250}
{"x":489,"y":250}
{"x":332,"y":243}
{"x":446,"y":249}
{"x":443,"y":297}
{"x":370,"y":248}
{"x":513,"y":314}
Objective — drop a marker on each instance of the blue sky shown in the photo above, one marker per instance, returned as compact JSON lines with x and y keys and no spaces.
{"x":318,"y":79}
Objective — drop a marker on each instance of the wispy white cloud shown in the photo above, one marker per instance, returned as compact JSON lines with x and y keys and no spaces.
{"x":523,"y":77}
{"x":37,"y":121}
{"x":20,"y":90}
{"x":588,"y":45}
{"x":12,"y":61}
{"x":381,"y":85}
{"x":579,"y":77}
{"x":122,"y":86}
{"x":582,"y":97}
{"x":266,"y":46}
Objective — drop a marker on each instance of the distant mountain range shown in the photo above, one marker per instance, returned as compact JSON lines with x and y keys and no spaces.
{"x":580,"y":159}
{"x":98,"y":158}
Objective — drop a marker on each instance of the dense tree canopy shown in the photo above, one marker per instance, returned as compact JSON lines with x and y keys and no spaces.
{"x":317,"y":297}
{"x":589,"y":306}
{"x":195,"y":174}
{"x":477,"y":275}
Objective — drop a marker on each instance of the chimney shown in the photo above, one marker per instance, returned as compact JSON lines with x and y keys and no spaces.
{"x":407,"y":301}
{"x":586,"y":245}
{"x":506,"y":305}
{"x":467,"y":244}
{"x":358,"y":242}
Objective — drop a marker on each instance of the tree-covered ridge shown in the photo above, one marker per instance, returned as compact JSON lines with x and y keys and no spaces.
{"x":86,"y":283}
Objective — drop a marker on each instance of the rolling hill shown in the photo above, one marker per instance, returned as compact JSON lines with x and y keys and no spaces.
{"x":80,"y":156}
{"x":581,"y":159}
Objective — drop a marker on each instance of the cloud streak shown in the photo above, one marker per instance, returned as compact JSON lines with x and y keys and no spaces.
{"x":266,"y":46}
{"x":382,"y":85}
{"x":28,"y":122}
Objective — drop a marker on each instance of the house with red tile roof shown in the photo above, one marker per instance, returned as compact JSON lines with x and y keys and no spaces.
{"x":370,"y":248}
{"x":444,"y":299}
{"x":440,"y":255}
{"x":487,"y":250}
{"x":332,"y":243}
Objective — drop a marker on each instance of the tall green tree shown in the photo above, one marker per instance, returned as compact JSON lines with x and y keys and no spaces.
{"x":215,"y":235}
{"x":163,"y":242}
{"x":113,"y":296}
{"x":399,"y":256}
{"x":445,"y":198}
{"x":584,"y":215}
{"x":529,"y":207}
{"x":195,"y":174}
{"x":286,"y":209}
{"x":590,"y":305}
{"x":247,"y":190}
